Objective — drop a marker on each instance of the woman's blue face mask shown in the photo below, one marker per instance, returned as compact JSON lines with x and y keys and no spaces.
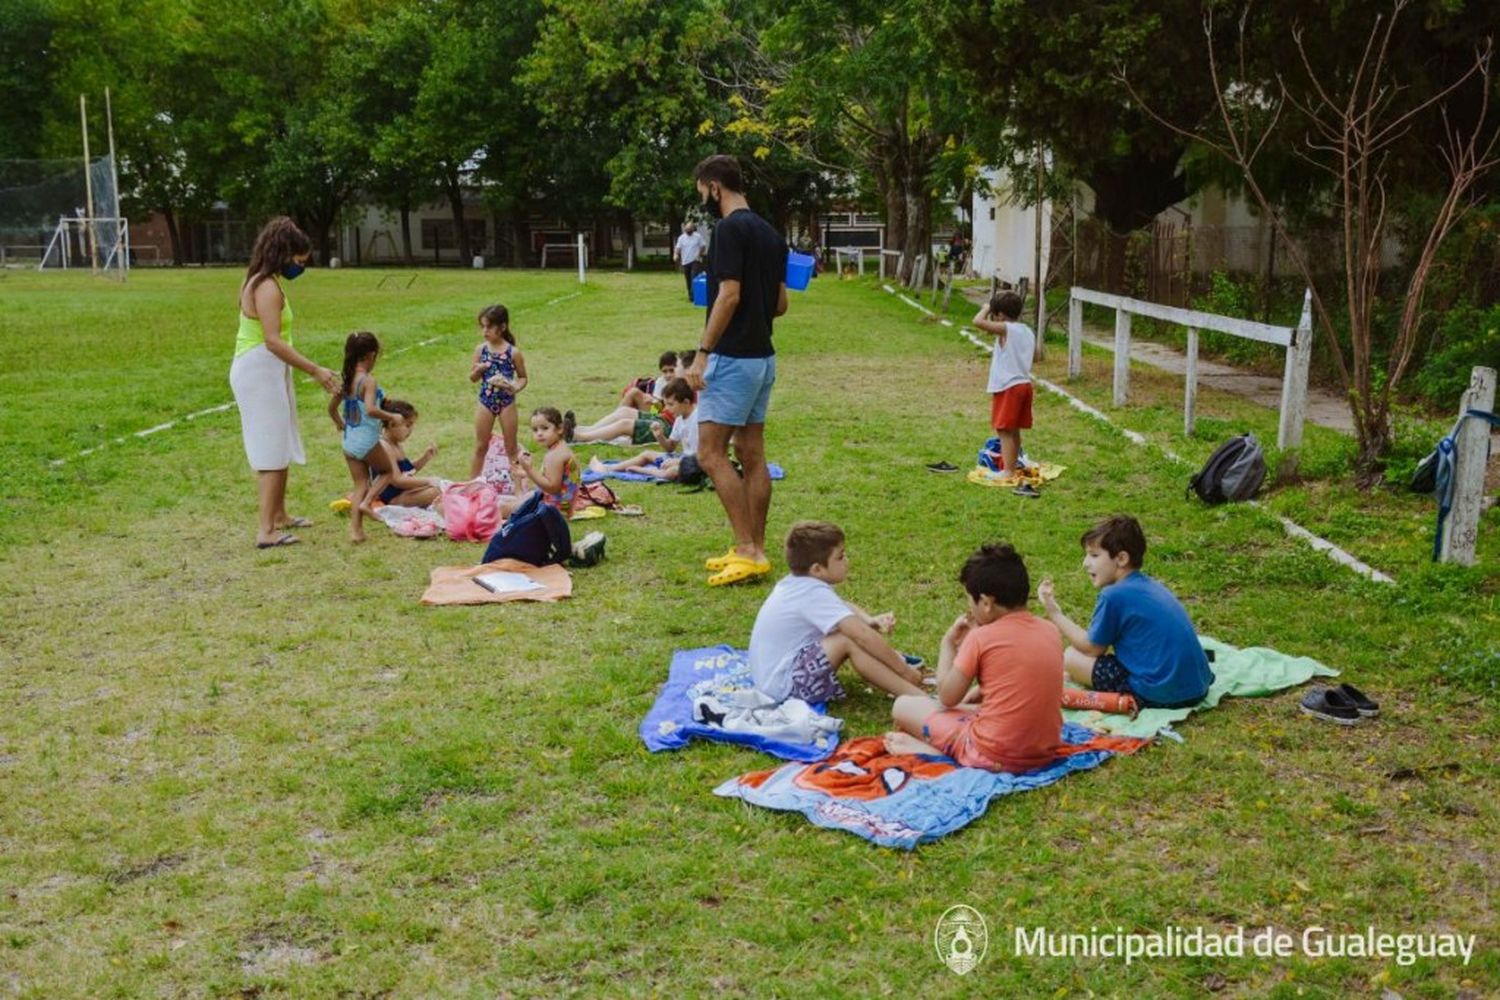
{"x":291,"y":271}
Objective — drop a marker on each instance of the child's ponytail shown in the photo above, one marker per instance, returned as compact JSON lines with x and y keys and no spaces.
{"x":356,"y":346}
{"x":499,"y":317}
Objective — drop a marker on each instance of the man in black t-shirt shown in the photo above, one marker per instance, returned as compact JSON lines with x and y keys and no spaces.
{"x":736,"y":364}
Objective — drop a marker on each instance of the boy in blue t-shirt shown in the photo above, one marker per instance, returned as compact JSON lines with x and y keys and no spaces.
{"x":1140,"y":641}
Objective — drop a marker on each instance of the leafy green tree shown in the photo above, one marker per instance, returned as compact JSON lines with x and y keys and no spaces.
{"x":852,"y":86}
{"x":26,"y":34}
{"x":622,"y":98}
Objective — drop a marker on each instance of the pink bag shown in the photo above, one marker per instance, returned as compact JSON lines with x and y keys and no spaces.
{"x":496,"y":469}
{"x":469,"y":511}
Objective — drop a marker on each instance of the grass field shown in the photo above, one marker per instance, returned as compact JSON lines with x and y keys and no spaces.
{"x":226,"y":772}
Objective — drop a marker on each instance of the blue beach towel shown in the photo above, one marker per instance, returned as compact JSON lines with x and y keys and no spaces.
{"x":903,"y":800}
{"x":721,"y":671}
{"x":631,"y":476}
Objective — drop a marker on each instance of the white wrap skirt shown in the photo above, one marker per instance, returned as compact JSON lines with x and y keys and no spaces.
{"x":262,"y":385}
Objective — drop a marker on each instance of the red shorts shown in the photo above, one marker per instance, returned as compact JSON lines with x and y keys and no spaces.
{"x":949,"y":732}
{"x":1011,"y":410}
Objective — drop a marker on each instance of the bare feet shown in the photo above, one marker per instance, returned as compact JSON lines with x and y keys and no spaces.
{"x":357,"y":535}
{"x":595,"y":465}
{"x":898,"y":742}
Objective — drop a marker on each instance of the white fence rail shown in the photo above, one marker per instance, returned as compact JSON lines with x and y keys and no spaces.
{"x":1297,"y":341}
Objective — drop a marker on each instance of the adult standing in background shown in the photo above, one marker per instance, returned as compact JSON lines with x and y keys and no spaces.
{"x":689,"y":248}
{"x":261,"y":375}
{"x":736,"y":364}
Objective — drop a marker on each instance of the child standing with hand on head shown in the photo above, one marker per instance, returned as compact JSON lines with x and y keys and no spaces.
{"x":358,"y":412}
{"x":1010,"y":379}
{"x":500,"y":370}
{"x":559,"y":476}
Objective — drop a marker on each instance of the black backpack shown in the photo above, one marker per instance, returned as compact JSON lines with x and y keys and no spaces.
{"x":534,"y":533}
{"x":1233,"y":472}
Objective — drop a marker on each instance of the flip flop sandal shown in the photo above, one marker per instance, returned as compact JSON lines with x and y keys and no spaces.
{"x":297,"y":522}
{"x":588,"y":514}
{"x":280,"y":541}
{"x":630,"y":510}
{"x":738,"y":571}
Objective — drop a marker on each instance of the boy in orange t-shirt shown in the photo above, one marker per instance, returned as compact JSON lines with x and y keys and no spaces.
{"x":1016,"y":660}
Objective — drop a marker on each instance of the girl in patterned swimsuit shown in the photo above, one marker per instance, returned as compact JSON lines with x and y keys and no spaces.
{"x":559,"y":475}
{"x":500,"y":370}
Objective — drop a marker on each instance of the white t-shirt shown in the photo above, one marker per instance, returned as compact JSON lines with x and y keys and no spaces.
{"x":800,"y":610}
{"x":1011,"y":364}
{"x":690,"y":246}
{"x":685,"y":433}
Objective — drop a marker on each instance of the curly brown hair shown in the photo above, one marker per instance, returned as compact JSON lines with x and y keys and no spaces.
{"x":279,"y":241}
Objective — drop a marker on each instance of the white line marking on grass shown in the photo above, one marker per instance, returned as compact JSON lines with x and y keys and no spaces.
{"x":231,"y":404}
{"x":412,"y":347}
{"x":1291,"y":527}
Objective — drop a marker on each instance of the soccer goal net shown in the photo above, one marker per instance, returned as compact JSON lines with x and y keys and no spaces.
{"x":57,"y":214}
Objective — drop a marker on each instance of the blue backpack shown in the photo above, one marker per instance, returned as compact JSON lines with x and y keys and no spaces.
{"x":534,"y":533}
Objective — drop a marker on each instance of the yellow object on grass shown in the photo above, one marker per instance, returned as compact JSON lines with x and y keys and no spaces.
{"x":1042,"y":472}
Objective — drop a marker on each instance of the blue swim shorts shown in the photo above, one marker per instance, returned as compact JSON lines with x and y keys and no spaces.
{"x":736,"y":391}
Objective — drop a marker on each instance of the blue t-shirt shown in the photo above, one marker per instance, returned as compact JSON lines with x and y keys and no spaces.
{"x":1153,"y":638}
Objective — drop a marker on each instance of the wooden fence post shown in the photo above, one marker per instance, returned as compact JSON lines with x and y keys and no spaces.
{"x":1075,"y":336}
{"x":1190,"y":397}
{"x":1470,"y":451}
{"x":1294,"y":380}
{"x":1122,"y":357}
{"x":1041,"y":327}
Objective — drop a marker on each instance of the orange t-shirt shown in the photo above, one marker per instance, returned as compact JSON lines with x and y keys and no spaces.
{"x":1018,"y":661}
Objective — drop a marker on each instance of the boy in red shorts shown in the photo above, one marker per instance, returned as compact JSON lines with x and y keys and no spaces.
{"x":1010,"y":378}
{"x":1001,"y":656}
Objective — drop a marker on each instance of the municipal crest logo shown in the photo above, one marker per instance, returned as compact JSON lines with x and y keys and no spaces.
{"x":961,"y":938}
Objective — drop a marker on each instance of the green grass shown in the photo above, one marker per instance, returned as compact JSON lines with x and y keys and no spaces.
{"x":229,"y":772}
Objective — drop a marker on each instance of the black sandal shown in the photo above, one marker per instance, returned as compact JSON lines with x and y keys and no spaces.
{"x":1367,"y":708}
{"x":1330,"y":705}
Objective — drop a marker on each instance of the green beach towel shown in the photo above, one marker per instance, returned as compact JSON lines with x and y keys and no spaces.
{"x":1244,"y":673}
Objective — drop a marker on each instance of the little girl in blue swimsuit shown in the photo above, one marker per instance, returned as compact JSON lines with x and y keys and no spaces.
{"x":500,"y":370}
{"x":358,"y":414}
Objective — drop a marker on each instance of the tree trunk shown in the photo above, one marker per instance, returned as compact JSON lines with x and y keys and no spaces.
{"x":918,"y":240}
{"x":174,"y":235}
{"x":460,"y":224}
{"x":406,"y":253}
{"x":895,"y":213}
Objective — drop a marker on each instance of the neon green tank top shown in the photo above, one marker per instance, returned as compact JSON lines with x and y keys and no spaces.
{"x":252,"y":334}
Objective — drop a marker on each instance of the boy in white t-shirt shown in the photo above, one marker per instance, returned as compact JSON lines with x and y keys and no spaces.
{"x":682,"y":444}
{"x":1010,"y":378}
{"x":805,"y":631}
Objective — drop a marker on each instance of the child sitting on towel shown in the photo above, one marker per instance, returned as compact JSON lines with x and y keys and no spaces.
{"x":398,"y":486}
{"x":1140,"y":641}
{"x":646,"y":393}
{"x":681,"y":444}
{"x":805,"y":631}
{"x":1016,"y":661}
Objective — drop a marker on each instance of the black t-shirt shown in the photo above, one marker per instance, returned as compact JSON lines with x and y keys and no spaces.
{"x":746,"y":248}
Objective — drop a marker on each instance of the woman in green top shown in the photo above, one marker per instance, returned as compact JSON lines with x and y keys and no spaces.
{"x":261,"y":374}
